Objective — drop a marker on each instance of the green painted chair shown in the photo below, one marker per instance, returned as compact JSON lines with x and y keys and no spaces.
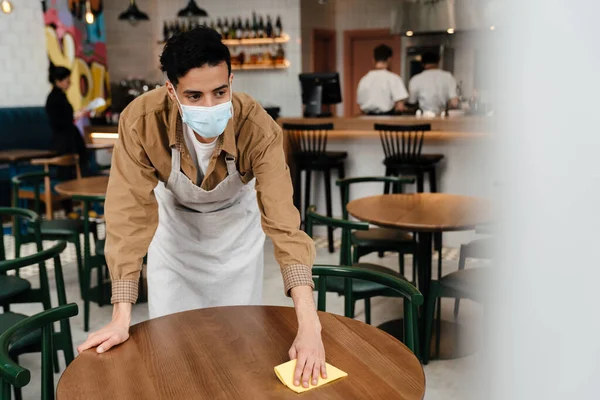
{"x":62,"y":339}
{"x":471,"y":283}
{"x":101,"y":292}
{"x":352,"y":275}
{"x":380,"y":240}
{"x":361,"y":290}
{"x":56,"y":229}
{"x":14,"y":375}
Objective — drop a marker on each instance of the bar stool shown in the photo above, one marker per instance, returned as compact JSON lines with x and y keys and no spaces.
{"x":309,"y":149}
{"x":402,"y":145}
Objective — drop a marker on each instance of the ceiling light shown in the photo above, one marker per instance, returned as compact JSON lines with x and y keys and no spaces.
{"x":192,"y":10}
{"x":133,"y":14}
{"x":492,"y":28}
{"x":6,"y":6}
{"x":450,"y":31}
{"x":409,"y":33}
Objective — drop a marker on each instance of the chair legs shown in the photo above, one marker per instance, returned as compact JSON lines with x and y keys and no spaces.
{"x":328,"y":205}
{"x":461,"y":265}
{"x":368,"y":310}
{"x":429,"y":319}
{"x":307,"y":186}
{"x":297,"y":189}
{"x":401,"y":262}
{"x":77,"y":242}
{"x":386,"y":186}
{"x":432,"y":180}
{"x":420,"y":183}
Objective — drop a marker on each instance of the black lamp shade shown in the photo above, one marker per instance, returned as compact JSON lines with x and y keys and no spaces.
{"x":133,"y":13}
{"x":192,"y":10}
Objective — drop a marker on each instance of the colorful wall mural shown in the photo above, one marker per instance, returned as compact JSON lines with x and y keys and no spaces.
{"x":80,"y":46}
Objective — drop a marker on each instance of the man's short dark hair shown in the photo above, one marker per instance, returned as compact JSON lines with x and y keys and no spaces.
{"x":430,"y":58}
{"x":382,"y":53}
{"x":193,"y":49}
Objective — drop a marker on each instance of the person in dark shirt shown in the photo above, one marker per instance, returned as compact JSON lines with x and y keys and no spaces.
{"x":66,"y":137}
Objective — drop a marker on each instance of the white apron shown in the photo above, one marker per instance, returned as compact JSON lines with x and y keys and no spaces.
{"x":208,"y":247}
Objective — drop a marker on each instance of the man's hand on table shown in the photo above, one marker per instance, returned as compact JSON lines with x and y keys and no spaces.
{"x":113,"y":334}
{"x":308,"y":347}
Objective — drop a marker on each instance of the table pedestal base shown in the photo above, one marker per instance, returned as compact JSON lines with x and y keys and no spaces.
{"x":456,"y":341}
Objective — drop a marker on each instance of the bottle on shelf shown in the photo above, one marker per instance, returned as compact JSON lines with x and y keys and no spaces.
{"x":280,"y":55}
{"x":212,"y":25}
{"x":269,"y":29}
{"x":261,"y":28}
{"x":219,"y":27}
{"x":247,"y":29}
{"x":166,"y":32}
{"x":226,"y":29}
{"x":239,"y":29}
{"x":278,"y":27}
{"x":254,"y":26}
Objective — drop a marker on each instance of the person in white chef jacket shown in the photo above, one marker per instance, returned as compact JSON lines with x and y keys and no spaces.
{"x":380,"y":91}
{"x":198,"y":177}
{"x":433,"y":89}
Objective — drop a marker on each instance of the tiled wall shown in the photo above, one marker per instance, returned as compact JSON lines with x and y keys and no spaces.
{"x":23,"y":59}
{"x":135,"y":49}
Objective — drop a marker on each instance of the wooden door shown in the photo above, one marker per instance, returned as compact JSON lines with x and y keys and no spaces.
{"x":358,"y":60}
{"x":323,"y":57}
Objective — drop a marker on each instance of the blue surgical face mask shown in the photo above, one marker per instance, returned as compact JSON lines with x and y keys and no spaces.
{"x":208,"y":122}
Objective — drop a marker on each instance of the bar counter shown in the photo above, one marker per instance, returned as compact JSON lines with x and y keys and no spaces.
{"x":464,"y":141}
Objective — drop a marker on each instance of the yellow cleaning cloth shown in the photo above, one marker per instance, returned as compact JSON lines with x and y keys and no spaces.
{"x":285,"y":373}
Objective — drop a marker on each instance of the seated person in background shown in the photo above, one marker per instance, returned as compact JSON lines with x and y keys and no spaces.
{"x":434,"y":89}
{"x":381,"y":92}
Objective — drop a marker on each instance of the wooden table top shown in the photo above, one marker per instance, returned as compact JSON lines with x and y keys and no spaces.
{"x":92,"y":186}
{"x":230,"y":353}
{"x":422,"y":212}
{"x":16,"y":155}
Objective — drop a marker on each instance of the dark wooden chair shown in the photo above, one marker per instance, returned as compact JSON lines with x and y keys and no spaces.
{"x":380,"y":240}
{"x":402,"y":148}
{"x":353,"y":275}
{"x":309,"y":150}
{"x":14,"y":375}
{"x":472,"y":283}
{"x":361,"y":290}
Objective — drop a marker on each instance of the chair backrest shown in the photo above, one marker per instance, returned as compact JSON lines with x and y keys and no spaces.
{"x":22,"y":221}
{"x":312,"y":219}
{"x":412,"y":297}
{"x":12,"y":374}
{"x":402,"y":142}
{"x":35,"y":179}
{"x":87,"y":201}
{"x":308,"y":139}
{"x":344,"y":184}
{"x":67,"y":160}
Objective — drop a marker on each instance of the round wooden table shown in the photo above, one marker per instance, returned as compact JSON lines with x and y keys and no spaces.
{"x":426,"y":214}
{"x":230,"y":353}
{"x":92,"y":186}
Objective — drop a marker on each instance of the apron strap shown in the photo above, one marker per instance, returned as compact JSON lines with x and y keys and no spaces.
{"x":175,"y":160}
{"x":231,"y":168}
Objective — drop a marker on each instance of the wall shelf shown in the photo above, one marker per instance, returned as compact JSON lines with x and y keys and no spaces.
{"x":252,"y":42}
{"x":257,"y":67}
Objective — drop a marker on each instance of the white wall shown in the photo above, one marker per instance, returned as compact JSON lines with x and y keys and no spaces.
{"x":134,"y":52}
{"x":23,"y":57}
